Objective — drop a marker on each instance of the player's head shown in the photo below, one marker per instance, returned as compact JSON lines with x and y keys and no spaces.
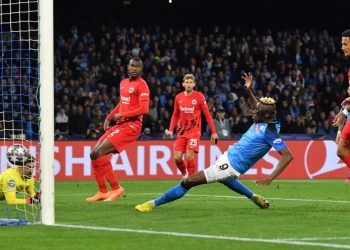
{"x":28,"y":168}
{"x":345,"y":42}
{"x":135,"y":67}
{"x":189,"y":82}
{"x":265,"y":110}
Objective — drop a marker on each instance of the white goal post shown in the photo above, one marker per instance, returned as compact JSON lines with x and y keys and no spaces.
{"x":46,"y":56}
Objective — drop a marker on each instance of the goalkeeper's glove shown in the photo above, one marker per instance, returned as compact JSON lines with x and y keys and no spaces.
{"x":34,"y":200}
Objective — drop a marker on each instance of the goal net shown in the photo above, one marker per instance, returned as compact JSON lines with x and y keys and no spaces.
{"x":20,"y":108}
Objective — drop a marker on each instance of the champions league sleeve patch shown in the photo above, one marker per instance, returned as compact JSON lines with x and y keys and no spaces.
{"x":11,"y":184}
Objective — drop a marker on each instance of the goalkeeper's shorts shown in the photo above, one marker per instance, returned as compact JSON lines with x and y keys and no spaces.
{"x":122,"y":135}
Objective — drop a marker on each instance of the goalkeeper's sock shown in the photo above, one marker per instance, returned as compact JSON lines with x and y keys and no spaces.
{"x":238,"y":187}
{"x":99,"y":176}
{"x":191,"y":167}
{"x":182,"y":167}
{"x":105,"y":161}
{"x":172,"y":194}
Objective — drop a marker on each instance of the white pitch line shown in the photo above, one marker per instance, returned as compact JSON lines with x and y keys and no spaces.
{"x":318,"y":238}
{"x":224,"y":196}
{"x":206,"y":236}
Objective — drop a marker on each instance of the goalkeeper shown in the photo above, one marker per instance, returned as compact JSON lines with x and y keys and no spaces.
{"x":16,"y":179}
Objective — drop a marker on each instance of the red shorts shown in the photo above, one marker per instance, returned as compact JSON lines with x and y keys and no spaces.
{"x":122,"y":135}
{"x":345,"y":134}
{"x":187,"y":143}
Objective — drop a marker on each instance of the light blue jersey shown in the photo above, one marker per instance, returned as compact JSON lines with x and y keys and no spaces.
{"x":254,"y":144}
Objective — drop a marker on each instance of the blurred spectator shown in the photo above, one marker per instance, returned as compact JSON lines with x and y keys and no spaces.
{"x":62,"y":120}
{"x":222,"y":125}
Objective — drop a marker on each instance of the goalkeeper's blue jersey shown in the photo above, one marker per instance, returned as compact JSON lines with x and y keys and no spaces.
{"x":254,"y":144}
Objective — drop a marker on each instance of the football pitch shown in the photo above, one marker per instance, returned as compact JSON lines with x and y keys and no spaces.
{"x":302,"y":215}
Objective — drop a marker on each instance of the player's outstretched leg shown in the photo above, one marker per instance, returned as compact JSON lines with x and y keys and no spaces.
{"x":260,"y":201}
{"x":172,"y":194}
{"x":239,"y":188}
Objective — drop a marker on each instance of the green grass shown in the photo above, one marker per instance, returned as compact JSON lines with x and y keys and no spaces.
{"x":298,"y":210}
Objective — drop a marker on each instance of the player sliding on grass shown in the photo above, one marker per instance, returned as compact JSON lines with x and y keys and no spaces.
{"x":254,"y":144}
{"x":188,"y":108}
{"x":134,"y":102}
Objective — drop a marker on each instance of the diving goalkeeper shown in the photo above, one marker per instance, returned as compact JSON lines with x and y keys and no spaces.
{"x":16,"y":179}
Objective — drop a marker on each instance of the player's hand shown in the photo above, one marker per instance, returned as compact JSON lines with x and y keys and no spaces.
{"x":169,"y":133}
{"x":117,"y":116}
{"x":214,"y":138}
{"x":263,"y":182}
{"x":248,"y":78}
{"x":338,"y":119}
{"x":32,"y":200}
{"x":346,"y":101}
{"x":106,"y":125}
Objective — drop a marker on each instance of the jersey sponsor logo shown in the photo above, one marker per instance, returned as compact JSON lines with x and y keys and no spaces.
{"x":194,"y":102}
{"x":187,"y":110}
{"x":278,"y":140}
{"x":144,"y":94}
{"x":11,"y":184}
{"x":131,"y":90}
{"x":125,"y":99}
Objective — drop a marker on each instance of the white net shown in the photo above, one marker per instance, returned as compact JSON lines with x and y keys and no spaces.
{"x":19,"y":106}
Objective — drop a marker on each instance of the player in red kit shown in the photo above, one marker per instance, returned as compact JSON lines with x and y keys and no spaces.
{"x":344,"y":142}
{"x":134,"y":102}
{"x":188,"y":107}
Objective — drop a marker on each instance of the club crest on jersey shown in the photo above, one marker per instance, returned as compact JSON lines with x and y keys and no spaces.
{"x":11,"y":183}
{"x":131,"y":90}
{"x":194,"y":102}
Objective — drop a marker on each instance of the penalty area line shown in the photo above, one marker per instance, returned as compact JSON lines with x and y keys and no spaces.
{"x":204,"y":236}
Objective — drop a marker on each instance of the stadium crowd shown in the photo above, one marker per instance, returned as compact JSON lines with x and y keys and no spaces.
{"x":304,"y":71}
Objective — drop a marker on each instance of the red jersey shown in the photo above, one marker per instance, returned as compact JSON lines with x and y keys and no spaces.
{"x":134,"y":101}
{"x":187,"y":114}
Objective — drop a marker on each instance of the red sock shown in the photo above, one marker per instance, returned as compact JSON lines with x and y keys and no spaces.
{"x":191,"y":167}
{"x":346,"y":160}
{"x":109,"y":173}
{"x":181,"y":166}
{"x":99,"y":175}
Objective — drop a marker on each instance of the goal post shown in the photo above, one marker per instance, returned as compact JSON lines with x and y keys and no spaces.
{"x":46,"y":81}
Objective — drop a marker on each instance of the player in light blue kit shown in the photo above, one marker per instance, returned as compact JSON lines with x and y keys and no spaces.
{"x":262,"y":135}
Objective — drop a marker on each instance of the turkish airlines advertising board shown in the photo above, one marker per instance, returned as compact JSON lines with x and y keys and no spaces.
{"x":147,"y":160}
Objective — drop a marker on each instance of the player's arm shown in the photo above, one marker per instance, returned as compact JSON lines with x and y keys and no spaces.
{"x":110,"y":117}
{"x":340,"y":129}
{"x":339,"y":119}
{"x":214,"y":135}
{"x":174,"y":118}
{"x":30,"y":188}
{"x":286,"y":158}
{"x":249,"y":84}
{"x":11,"y":198}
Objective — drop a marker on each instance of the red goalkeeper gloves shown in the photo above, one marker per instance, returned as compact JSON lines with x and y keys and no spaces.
{"x":34,"y":200}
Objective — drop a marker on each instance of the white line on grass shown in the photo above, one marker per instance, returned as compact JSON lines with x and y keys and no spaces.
{"x":206,"y":236}
{"x":318,"y":238}
{"x":224,"y":196}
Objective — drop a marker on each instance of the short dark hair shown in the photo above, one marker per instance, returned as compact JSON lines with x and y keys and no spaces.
{"x":346,"y":33}
{"x":136,"y":59}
